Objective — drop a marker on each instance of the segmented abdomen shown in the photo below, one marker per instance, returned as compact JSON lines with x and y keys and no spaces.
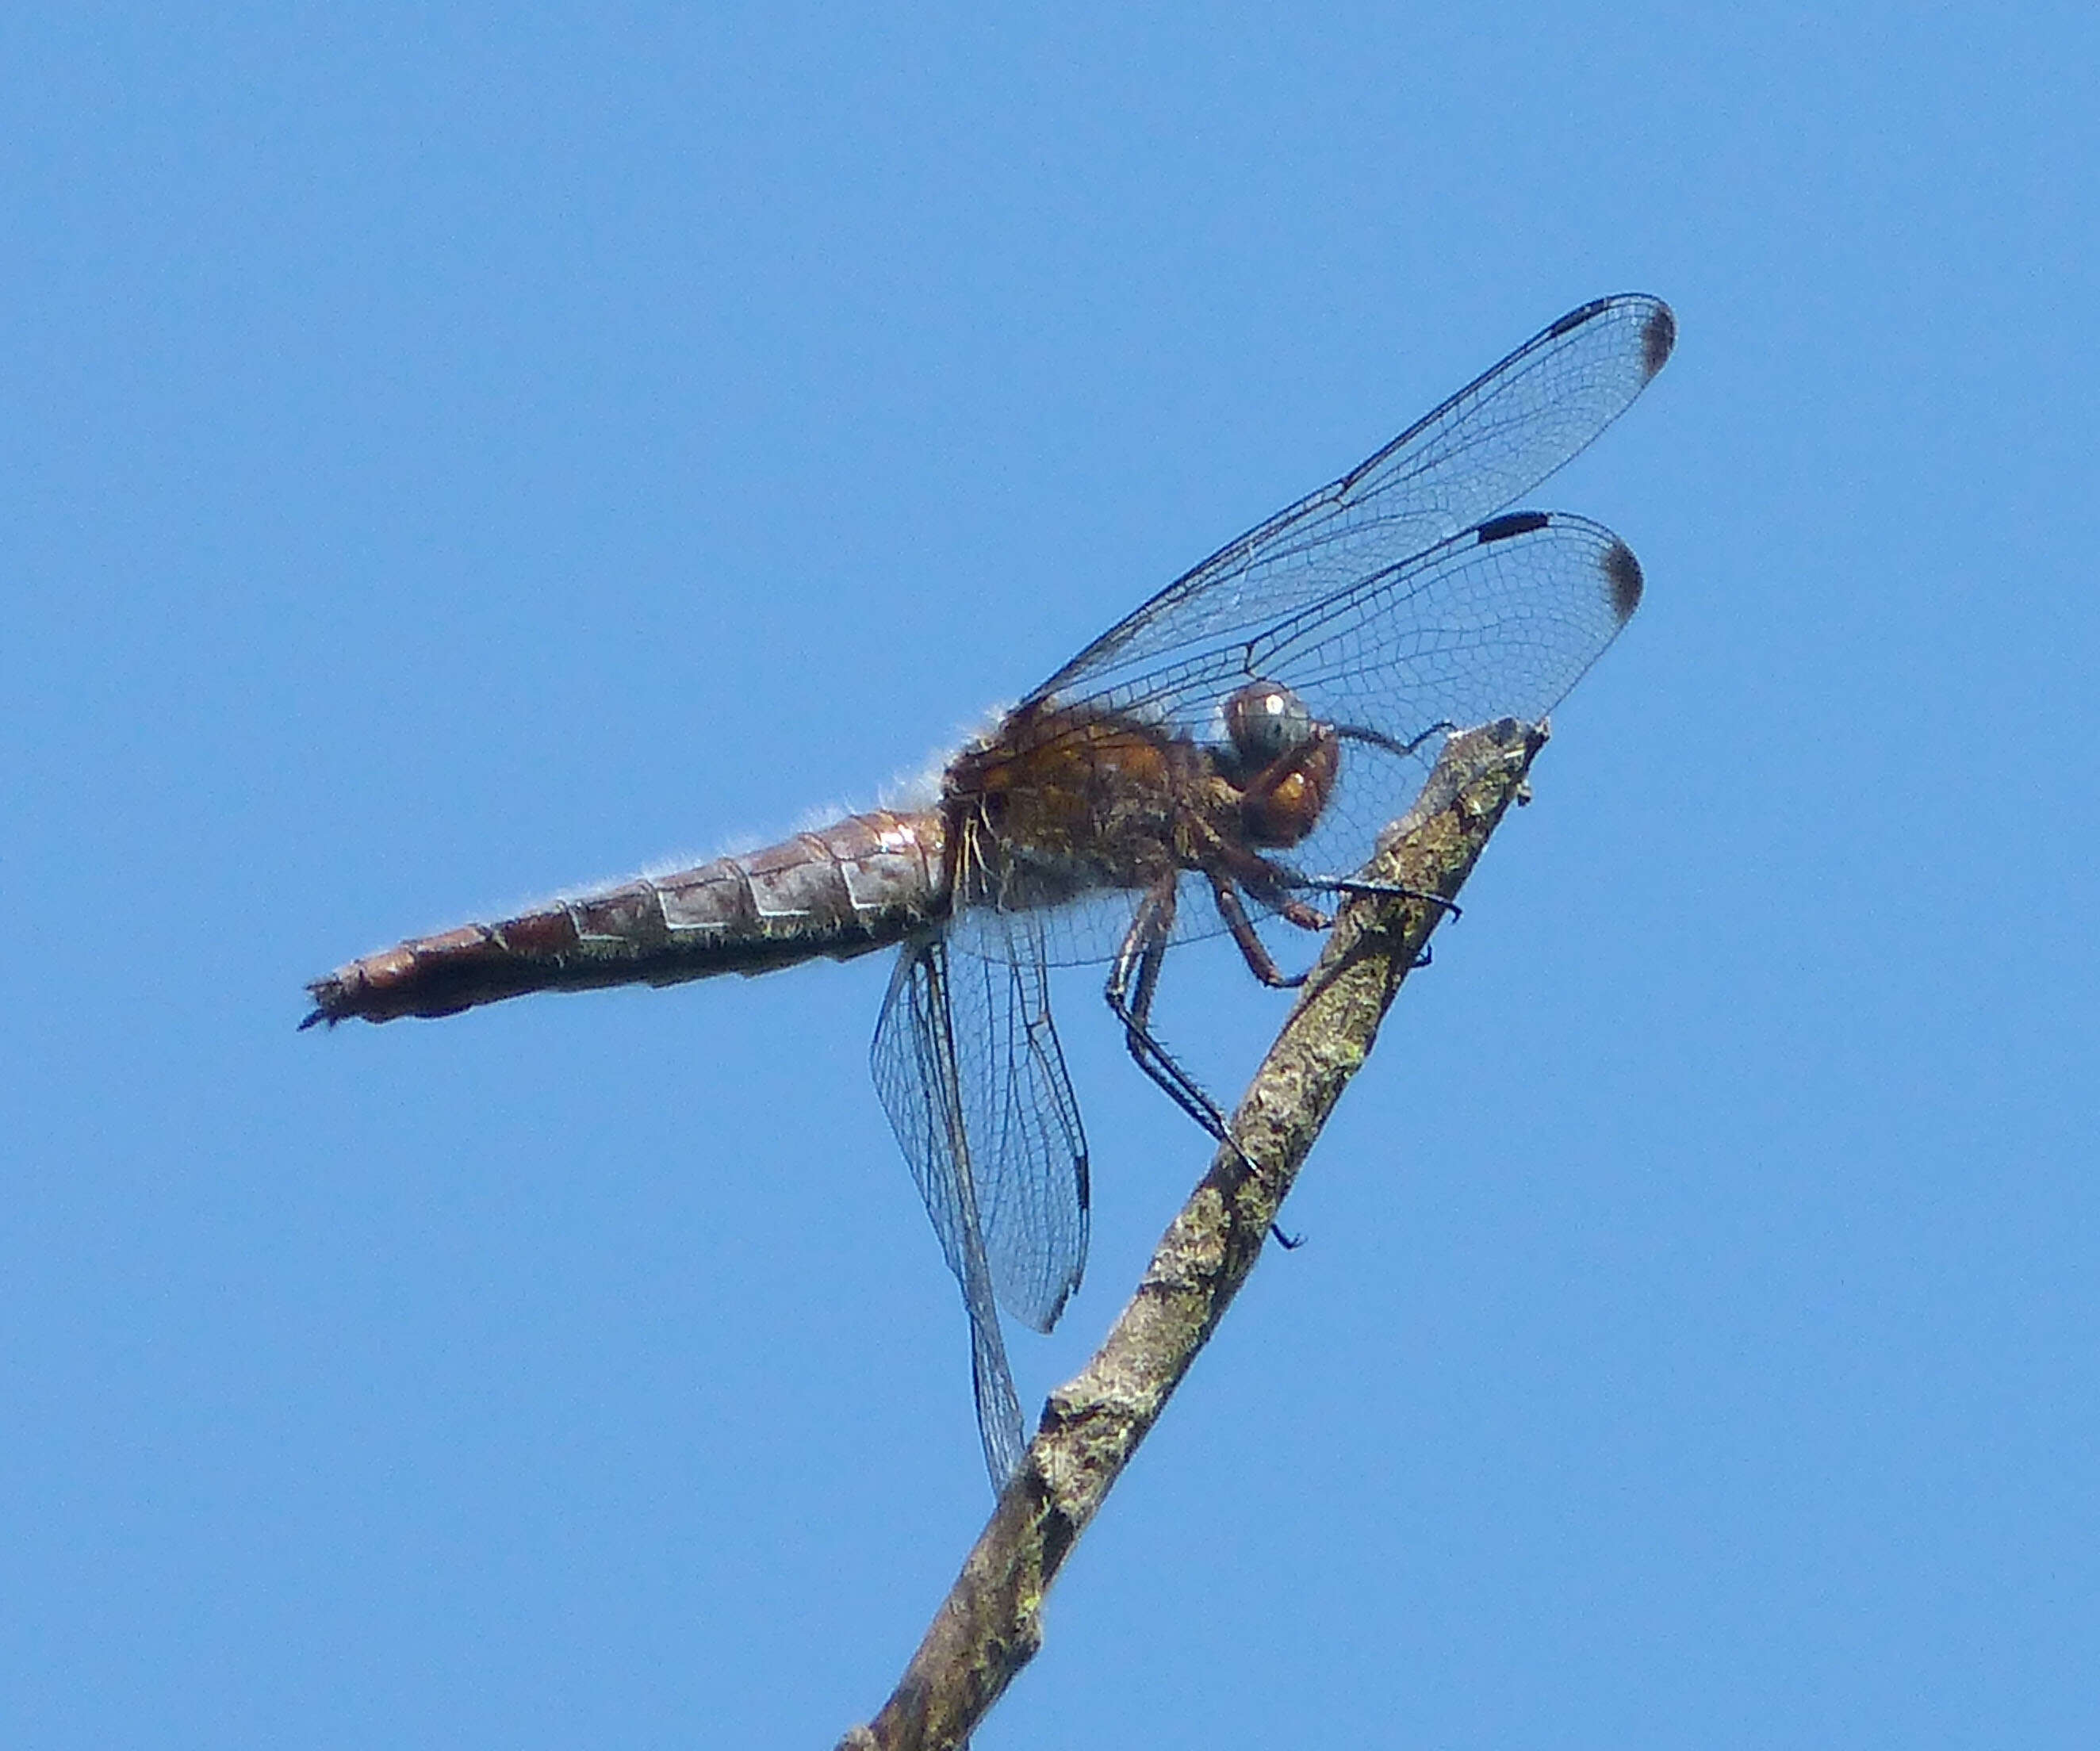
{"x":841,"y":890}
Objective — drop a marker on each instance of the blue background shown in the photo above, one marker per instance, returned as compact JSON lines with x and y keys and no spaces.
{"x":453,"y":453}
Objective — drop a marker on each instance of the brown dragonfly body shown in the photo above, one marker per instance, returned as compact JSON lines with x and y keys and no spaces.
{"x":1230,"y":748}
{"x":864,"y":883}
{"x":1053,"y":804}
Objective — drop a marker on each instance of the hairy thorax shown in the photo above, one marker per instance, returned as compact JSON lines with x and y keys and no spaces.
{"x":1061,"y":800}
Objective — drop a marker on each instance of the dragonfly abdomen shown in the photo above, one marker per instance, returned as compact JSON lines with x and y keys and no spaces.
{"x":860,"y":884}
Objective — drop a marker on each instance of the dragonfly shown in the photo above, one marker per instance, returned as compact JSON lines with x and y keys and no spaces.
{"x":1216,"y":763}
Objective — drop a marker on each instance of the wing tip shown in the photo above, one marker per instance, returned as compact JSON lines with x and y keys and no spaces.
{"x":1658,"y":339}
{"x":1658,"y":331}
{"x":1622,"y":577}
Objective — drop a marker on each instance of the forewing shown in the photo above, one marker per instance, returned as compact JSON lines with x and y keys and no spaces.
{"x":1499,"y":622}
{"x":1496,"y":438}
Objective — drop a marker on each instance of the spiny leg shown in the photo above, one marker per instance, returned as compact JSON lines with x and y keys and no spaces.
{"x":1356,"y":887}
{"x":1389,"y":890}
{"x":1133,"y":979}
{"x":1143,"y":952}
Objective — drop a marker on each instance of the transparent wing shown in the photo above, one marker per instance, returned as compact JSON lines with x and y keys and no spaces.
{"x":967,"y":1067}
{"x":1497,"y":438}
{"x":1086,"y":930}
{"x":1499,"y":622}
{"x":917,"y":1077}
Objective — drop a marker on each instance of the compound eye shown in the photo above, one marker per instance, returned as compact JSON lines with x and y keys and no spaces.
{"x":1266,"y":721}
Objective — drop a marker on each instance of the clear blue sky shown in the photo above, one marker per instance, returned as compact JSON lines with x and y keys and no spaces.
{"x":454,"y":453}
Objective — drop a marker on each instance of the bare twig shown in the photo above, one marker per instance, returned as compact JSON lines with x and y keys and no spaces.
{"x":989,"y":1626}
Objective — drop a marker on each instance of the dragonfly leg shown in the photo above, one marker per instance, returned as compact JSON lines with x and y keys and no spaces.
{"x":1133,"y":979}
{"x":1354,"y":886}
{"x":1268,"y":882}
{"x":1305,"y":917}
{"x":1252,"y":950}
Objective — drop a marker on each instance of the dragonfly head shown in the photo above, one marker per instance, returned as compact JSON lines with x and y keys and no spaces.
{"x":1283,"y":761}
{"x":1265,"y":721}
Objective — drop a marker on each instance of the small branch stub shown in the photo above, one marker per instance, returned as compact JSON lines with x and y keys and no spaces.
{"x":990,"y":1625}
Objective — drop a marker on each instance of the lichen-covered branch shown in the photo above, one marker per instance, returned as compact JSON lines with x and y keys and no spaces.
{"x":989,"y":1626}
